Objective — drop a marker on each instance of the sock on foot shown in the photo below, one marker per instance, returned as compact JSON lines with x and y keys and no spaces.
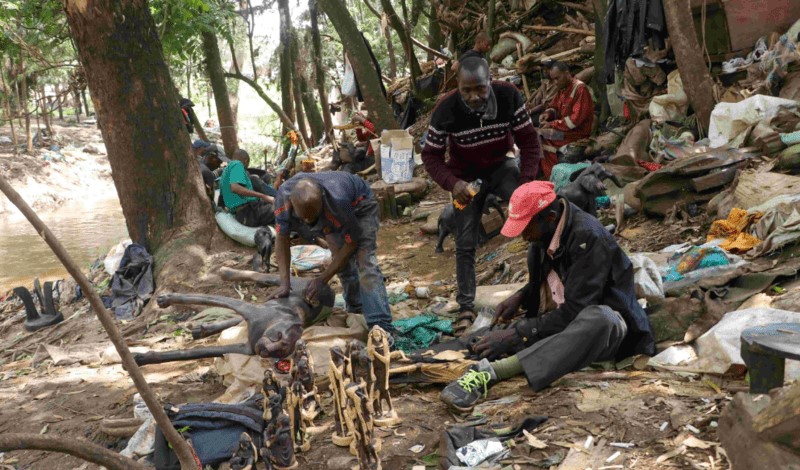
{"x":507,"y":368}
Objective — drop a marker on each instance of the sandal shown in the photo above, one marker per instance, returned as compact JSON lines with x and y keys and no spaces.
{"x":464,"y":322}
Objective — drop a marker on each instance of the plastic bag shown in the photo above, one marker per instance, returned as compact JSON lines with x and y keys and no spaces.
{"x":349,"y":80}
{"x":114,"y":256}
{"x":728,"y":120}
{"x":310,"y":257}
{"x":674,"y":104}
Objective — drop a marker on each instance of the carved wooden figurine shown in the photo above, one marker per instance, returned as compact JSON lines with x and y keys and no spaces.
{"x":342,"y":436}
{"x":360,"y":419}
{"x":361,"y":367}
{"x":294,"y":403}
{"x":281,"y":446}
{"x":378,"y":349}
{"x":246,"y":455}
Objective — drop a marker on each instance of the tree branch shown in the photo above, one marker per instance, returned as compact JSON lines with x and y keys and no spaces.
{"x":75,"y":447}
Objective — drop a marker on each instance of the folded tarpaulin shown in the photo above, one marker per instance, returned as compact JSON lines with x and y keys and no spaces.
{"x":132,"y":284}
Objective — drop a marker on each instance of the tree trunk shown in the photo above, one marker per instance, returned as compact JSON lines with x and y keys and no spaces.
{"x":216,"y":76}
{"x":85,"y":102}
{"x":309,"y":104}
{"x":435,"y":35}
{"x":368,"y":78}
{"x":298,"y":110}
{"x":46,"y":112}
{"x":599,"y":81}
{"x":238,"y":54}
{"x":285,"y":51}
{"x":58,"y":102}
{"x":157,"y":179}
{"x":490,"y":19}
{"x":319,"y":70}
{"x":389,"y":46}
{"x":23,"y":91}
{"x":405,"y":39}
{"x":76,"y":101}
{"x":189,"y":79}
{"x":689,"y":55}
{"x":9,"y":115}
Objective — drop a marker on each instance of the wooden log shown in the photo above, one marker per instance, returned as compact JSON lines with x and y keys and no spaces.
{"x":562,"y":29}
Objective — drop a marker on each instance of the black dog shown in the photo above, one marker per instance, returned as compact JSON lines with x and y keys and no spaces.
{"x":273,"y":327}
{"x":265,"y":241}
{"x":447,"y":222}
{"x":586,"y":185}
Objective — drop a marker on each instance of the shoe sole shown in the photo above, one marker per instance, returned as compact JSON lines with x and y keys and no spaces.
{"x":460,"y":409}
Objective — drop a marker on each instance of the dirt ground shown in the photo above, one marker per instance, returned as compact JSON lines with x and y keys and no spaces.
{"x":644,"y":415}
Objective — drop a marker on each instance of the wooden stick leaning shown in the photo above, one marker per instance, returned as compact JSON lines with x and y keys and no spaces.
{"x":182,"y":449}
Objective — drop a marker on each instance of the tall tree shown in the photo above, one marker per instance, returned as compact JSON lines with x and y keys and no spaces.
{"x":313,"y":118}
{"x":404,"y":33}
{"x":435,"y":36}
{"x":285,"y":56}
{"x":157,"y":180}
{"x":599,"y":82}
{"x":319,"y":70}
{"x":689,"y":55}
{"x":367,"y":76}
{"x":216,"y":76}
{"x":23,"y":91}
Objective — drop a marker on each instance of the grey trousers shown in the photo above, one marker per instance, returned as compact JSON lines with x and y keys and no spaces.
{"x":594,"y":335}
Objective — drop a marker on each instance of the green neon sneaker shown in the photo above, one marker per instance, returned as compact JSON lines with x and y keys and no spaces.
{"x":464,"y":393}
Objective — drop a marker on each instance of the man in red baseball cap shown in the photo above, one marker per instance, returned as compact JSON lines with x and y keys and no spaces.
{"x":578,"y":307}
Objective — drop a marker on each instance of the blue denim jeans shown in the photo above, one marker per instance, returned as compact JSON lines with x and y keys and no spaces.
{"x":361,"y":277}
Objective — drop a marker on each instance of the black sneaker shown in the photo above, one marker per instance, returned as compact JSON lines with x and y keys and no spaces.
{"x":464,"y":393}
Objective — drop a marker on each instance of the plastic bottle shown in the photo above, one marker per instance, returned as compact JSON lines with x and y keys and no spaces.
{"x":473,"y":189}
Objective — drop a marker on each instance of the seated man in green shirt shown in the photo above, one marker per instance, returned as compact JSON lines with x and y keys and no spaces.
{"x":250,"y":207}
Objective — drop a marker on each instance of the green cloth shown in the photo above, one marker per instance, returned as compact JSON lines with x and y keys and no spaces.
{"x":235,"y":172}
{"x":507,"y":368}
{"x":419,"y":332}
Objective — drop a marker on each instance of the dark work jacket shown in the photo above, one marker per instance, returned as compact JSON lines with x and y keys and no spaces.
{"x":594,"y":271}
{"x":629,"y":25}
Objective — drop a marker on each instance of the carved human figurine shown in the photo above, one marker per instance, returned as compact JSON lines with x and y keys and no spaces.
{"x":266,"y":458}
{"x":364,"y":445}
{"x":270,"y":385}
{"x":302,"y":369}
{"x":281,"y":446}
{"x":246,"y":455}
{"x":378,"y":349}
{"x":361,"y":368}
{"x":341,"y":436}
{"x":294,"y":404}
{"x":274,"y":393}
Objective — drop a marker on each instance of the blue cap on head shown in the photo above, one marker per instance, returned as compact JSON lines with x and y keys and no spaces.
{"x":200,"y":144}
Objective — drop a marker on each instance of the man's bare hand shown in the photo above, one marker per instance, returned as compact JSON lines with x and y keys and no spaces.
{"x":507,"y":309}
{"x":280,"y":293}
{"x":461,"y":192}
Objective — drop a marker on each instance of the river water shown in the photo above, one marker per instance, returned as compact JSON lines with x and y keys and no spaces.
{"x":87,"y":229}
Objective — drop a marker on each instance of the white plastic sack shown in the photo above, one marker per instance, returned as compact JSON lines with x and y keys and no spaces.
{"x":310,"y":257}
{"x":728,"y":120}
{"x":114,"y":257}
{"x":646,"y":277}
{"x":719,"y":348}
{"x":674,"y":104}
{"x":349,"y":80}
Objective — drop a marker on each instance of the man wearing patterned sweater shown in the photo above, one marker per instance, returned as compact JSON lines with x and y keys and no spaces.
{"x":480,"y":122}
{"x":569,"y":116}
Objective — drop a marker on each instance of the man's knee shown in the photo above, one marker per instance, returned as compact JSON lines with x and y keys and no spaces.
{"x":602,"y":320}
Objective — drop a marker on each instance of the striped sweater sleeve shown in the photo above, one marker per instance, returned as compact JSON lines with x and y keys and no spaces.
{"x":434,"y":152}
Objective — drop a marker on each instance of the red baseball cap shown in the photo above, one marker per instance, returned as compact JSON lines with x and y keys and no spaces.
{"x":527,"y":201}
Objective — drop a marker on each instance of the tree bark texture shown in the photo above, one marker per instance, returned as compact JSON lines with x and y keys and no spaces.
{"x":216,"y":76}
{"x":46,"y":112}
{"x":435,"y":35}
{"x":689,"y":55}
{"x":405,"y":39}
{"x":76,"y":100}
{"x":77,"y":447}
{"x":598,"y":83}
{"x":387,"y":37}
{"x":9,"y":114}
{"x":23,"y":91}
{"x":319,"y":70}
{"x":285,"y":51}
{"x":298,"y":109}
{"x":85,"y":102}
{"x":58,"y":102}
{"x":368,"y":78}
{"x":157,"y":179}
{"x":314,"y":119}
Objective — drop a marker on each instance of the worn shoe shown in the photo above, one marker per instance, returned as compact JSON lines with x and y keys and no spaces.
{"x":464,"y":393}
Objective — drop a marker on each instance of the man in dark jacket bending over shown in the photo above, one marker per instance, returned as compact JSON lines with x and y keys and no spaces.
{"x":480,"y":123}
{"x":582,"y":282}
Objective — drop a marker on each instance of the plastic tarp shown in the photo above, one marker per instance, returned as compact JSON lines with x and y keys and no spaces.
{"x":719,"y":348}
{"x":310,"y":257}
{"x":231,"y":227}
{"x":673,"y":105}
{"x":729,"y":120}
{"x":646,"y":277}
{"x":132,"y":284}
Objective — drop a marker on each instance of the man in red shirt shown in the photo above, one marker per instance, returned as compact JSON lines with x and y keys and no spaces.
{"x":568,"y":118}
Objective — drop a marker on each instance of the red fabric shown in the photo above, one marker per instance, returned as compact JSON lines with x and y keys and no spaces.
{"x":527,"y":201}
{"x":549,"y":159}
{"x":574,"y":113}
{"x":367,"y":134}
{"x":649,"y":166}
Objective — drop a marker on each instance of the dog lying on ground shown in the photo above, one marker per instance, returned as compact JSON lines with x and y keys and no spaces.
{"x":273,"y":327}
{"x":447,"y":222}
{"x":586,"y":185}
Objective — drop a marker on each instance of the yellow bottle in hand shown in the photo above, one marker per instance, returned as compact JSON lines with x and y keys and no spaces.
{"x":473,"y":189}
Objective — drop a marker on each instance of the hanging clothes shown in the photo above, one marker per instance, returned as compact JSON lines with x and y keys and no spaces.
{"x":629,"y":26}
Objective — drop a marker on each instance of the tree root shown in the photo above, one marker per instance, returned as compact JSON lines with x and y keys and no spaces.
{"x":80,"y":448}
